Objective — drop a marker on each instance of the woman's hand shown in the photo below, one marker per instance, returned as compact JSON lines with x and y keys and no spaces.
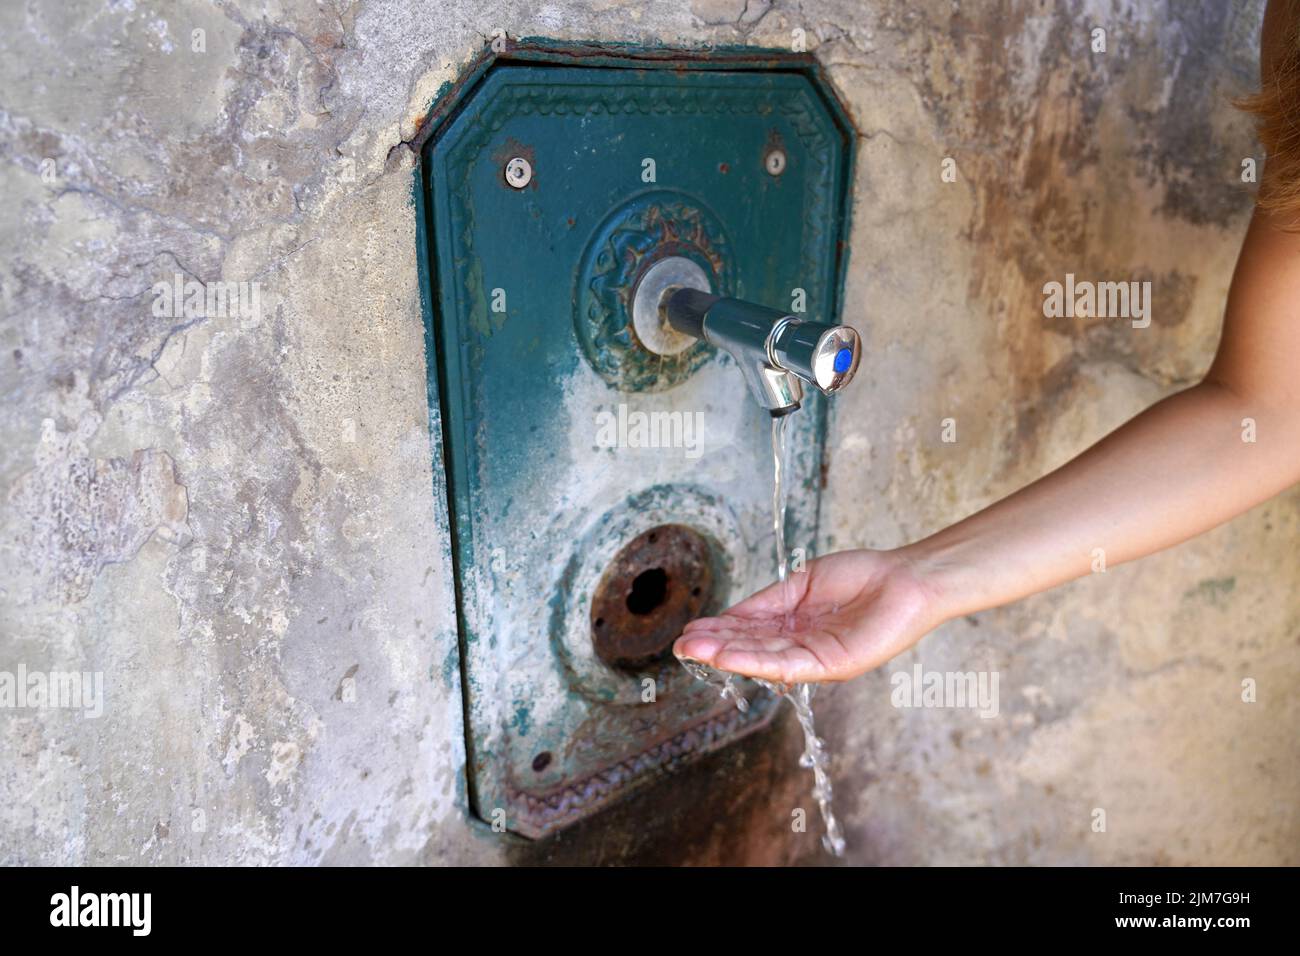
{"x":852,"y":611}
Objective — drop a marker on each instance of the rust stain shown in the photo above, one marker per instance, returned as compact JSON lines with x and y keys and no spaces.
{"x":656,"y":584}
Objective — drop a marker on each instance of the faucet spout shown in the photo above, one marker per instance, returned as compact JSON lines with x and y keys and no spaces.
{"x":776,"y":351}
{"x":744,"y":330}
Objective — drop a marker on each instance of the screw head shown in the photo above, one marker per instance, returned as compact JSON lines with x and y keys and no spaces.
{"x":774,"y":162}
{"x":519,"y":172}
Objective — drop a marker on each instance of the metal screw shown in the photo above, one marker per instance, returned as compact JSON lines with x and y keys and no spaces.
{"x":774,"y":162}
{"x":519,"y":172}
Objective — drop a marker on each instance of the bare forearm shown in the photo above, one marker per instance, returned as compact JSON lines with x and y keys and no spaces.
{"x":1178,"y":469}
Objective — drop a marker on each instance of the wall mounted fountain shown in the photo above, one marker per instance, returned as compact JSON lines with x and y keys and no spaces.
{"x":608,"y":479}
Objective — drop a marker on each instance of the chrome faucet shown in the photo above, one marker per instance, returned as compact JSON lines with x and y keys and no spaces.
{"x":672,"y":305}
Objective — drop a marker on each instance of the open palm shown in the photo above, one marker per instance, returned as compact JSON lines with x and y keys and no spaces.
{"x":849,"y":613}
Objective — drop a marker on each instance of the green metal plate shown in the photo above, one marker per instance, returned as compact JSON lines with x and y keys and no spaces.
{"x":541,"y":382}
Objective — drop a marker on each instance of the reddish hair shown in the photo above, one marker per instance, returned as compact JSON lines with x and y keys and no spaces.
{"x":1277,"y":108}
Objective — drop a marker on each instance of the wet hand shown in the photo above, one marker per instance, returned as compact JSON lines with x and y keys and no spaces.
{"x":848,"y":613}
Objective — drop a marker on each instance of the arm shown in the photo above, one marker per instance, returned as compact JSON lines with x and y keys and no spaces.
{"x":1176,"y":470}
{"x":1181,"y":467}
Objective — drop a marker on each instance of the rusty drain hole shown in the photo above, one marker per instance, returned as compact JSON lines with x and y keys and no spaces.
{"x":649,"y":590}
{"x":657,"y":582}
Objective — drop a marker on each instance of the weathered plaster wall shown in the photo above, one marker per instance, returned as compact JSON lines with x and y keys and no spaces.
{"x":231,"y":517}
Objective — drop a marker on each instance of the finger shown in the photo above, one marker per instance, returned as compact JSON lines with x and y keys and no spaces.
{"x":705,"y":645}
{"x":704,"y":624}
{"x":792,"y":665}
{"x":729,"y":622}
{"x":699,"y":647}
{"x":765,"y":644}
{"x":777,"y":598}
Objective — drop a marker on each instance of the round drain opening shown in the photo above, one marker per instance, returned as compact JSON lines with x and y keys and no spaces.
{"x":649,"y":591}
{"x":657,"y":582}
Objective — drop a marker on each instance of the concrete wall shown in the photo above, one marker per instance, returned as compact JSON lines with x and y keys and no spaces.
{"x":232,"y":518}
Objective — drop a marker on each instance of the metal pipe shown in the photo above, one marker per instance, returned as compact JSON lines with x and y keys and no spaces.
{"x":776,"y":351}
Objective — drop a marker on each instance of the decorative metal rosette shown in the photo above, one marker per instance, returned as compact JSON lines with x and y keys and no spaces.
{"x":648,"y":228}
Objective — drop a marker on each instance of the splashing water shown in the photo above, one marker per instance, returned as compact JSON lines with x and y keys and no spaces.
{"x":816,"y":759}
{"x":800,"y":696}
{"x":723,"y":681}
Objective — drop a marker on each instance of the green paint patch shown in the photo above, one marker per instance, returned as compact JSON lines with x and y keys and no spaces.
{"x":522,"y":719}
{"x":451,"y":668}
{"x":1212,"y":589}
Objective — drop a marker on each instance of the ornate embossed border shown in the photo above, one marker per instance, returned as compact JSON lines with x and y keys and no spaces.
{"x":536,"y":814}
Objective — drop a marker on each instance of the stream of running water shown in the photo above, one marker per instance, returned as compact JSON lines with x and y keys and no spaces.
{"x":800,"y":696}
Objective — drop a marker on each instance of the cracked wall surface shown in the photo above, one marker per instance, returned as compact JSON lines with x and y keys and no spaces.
{"x":230,"y":515}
